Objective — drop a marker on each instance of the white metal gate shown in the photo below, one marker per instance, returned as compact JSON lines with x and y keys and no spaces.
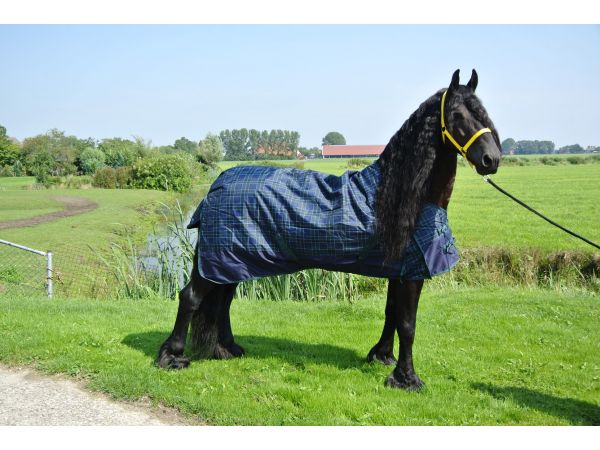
{"x":47,"y":255}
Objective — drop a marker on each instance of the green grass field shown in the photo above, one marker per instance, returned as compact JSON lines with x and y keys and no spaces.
{"x":11,"y":183}
{"x":24,"y":204}
{"x":119,"y":211}
{"x":488,"y":357}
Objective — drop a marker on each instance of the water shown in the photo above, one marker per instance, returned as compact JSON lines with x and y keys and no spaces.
{"x":169,"y":248}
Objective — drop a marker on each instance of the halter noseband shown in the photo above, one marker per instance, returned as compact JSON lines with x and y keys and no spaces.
{"x":445,"y":133}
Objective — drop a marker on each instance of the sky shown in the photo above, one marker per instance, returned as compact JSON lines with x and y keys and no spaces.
{"x":165,"y":82}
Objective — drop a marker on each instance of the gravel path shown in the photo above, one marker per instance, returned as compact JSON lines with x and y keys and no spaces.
{"x":27,"y":398}
{"x":72,"y":207}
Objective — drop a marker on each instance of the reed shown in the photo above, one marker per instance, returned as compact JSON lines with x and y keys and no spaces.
{"x":163,"y":268}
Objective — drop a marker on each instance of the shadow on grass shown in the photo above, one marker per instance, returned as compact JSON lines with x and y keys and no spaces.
{"x":577,"y":412}
{"x":292,"y":352}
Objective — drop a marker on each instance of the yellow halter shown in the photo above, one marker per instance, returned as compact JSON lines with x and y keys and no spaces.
{"x":445,"y":133}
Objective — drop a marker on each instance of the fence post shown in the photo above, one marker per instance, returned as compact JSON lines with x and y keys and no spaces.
{"x":48,"y":256}
{"x":49,"y":273}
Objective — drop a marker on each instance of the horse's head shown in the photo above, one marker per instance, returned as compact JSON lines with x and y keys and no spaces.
{"x":467,"y":128}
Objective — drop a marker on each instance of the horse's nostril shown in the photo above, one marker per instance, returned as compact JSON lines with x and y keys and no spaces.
{"x":486,"y":160}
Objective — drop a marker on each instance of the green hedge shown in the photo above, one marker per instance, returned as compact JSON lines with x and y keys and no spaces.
{"x":164,"y":173}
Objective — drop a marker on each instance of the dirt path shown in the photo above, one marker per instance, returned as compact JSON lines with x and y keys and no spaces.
{"x":27,"y":398}
{"x":72,"y":207}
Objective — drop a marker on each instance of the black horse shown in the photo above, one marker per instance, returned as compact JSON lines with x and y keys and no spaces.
{"x":417,"y":168}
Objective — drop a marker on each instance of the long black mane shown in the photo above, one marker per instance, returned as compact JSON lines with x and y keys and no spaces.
{"x":406,"y":167}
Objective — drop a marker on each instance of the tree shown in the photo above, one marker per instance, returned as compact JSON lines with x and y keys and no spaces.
{"x":9,"y":152}
{"x":119,"y":152}
{"x":210,"y":150}
{"x":334,"y":138}
{"x":64,"y":150}
{"x":41,"y":165}
{"x":508,"y":145}
{"x":575,"y":148}
{"x":90,"y":160}
{"x":166,"y":149}
{"x":533,"y":147}
{"x":312,"y":152}
{"x":185,"y":145}
{"x":236,"y":144}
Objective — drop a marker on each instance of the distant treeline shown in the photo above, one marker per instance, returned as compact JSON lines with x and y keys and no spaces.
{"x":244,"y":144}
{"x":55,"y":153}
{"x":512,"y":147}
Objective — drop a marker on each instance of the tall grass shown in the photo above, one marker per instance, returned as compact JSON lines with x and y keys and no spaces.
{"x":160,"y":269}
{"x":307,"y":285}
{"x":163,"y":268}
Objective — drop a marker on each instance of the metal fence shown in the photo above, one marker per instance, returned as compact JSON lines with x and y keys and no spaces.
{"x":70,"y":270}
{"x":22,"y":267}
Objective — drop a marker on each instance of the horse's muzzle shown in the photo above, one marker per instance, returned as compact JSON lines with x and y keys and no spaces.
{"x":489,"y":164}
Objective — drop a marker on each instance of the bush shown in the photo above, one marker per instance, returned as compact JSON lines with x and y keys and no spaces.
{"x":549,"y":160}
{"x":210,"y":150}
{"x":163,"y":173}
{"x":7,"y":171}
{"x":594,"y":158}
{"x":576,"y":160}
{"x":52,"y":181}
{"x":90,"y":160}
{"x":105,"y":178}
{"x":123,"y":177}
{"x":357,"y":163}
{"x":71,"y":182}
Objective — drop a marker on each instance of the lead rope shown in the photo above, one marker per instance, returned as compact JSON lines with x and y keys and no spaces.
{"x":463,"y":152}
{"x":524,"y":205}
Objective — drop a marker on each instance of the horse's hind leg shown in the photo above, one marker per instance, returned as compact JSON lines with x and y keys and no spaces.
{"x":383,"y":351}
{"x":228,"y":347}
{"x":211,"y":327}
{"x":191,"y":297}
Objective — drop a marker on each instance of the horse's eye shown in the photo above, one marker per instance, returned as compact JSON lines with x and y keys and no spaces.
{"x":457,"y":115}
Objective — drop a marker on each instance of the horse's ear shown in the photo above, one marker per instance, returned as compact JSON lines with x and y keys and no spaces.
{"x":455,"y":80}
{"x":473,"y":81}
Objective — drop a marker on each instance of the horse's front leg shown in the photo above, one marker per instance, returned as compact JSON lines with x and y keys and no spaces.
{"x":383,"y":351}
{"x":406,"y":300}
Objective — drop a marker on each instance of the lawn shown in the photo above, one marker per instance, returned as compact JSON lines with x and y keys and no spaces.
{"x":24,"y":204}
{"x":118,"y":210}
{"x":11,"y":183}
{"x":488,"y":357}
{"x":569,"y":194}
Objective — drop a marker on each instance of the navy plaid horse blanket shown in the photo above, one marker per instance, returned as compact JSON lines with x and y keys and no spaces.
{"x":258,"y":221}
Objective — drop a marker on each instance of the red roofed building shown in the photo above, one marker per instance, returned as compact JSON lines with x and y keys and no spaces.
{"x":351,"y":151}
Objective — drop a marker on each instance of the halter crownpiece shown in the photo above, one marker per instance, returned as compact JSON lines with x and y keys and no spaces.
{"x":445,"y":133}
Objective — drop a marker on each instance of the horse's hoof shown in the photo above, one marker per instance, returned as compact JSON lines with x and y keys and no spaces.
{"x":170,"y":361}
{"x":407,"y":382}
{"x":228,"y":352}
{"x":387,"y":360}
{"x":383,"y":358}
{"x":236,"y":350}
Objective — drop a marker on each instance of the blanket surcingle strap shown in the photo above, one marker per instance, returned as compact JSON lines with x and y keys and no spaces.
{"x":259,"y":221}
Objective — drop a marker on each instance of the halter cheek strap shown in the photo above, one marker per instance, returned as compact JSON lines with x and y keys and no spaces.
{"x":446,"y":134}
